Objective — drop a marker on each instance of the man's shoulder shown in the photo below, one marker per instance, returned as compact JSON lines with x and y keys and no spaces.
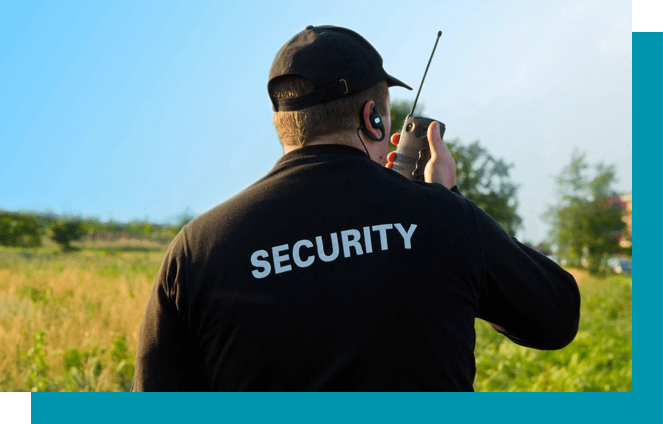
{"x":273,"y":199}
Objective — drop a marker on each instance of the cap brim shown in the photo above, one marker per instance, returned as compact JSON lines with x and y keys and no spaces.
{"x":391,"y":81}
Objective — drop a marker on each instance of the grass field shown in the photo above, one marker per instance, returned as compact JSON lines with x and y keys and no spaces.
{"x":70,"y":322}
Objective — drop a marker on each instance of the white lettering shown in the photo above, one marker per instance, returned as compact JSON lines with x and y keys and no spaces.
{"x":383,"y":234}
{"x":278,"y":259}
{"x":368,"y":243}
{"x":255,"y":261}
{"x":351,"y":239}
{"x":406,"y":235}
{"x":321,"y":251}
{"x":348,"y":243}
{"x":297,"y":258}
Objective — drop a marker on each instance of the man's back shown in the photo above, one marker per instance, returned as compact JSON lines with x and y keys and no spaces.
{"x":334,"y":273}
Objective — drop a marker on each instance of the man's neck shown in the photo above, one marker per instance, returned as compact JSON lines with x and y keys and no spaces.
{"x":345,"y":139}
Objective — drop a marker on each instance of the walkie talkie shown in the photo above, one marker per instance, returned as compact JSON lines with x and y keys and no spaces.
{"x":413,"y":151}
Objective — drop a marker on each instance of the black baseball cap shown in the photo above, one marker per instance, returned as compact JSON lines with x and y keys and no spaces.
{"x":338,"y":62}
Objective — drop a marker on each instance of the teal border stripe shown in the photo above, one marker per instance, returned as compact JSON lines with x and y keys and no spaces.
{"x":319,"y":408}
{"x":647,"y":171}
{"x":439,"y":407}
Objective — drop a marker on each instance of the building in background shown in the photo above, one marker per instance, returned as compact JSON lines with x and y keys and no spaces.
{"x":627,"y":206}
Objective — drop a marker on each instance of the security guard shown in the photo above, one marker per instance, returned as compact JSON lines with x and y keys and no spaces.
{"x":334,"y":273}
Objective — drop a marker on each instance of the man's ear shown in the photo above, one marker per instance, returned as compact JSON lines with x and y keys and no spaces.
{"x":374,"y":130}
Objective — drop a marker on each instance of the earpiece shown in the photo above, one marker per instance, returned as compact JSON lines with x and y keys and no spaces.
{"x":375,"y":119}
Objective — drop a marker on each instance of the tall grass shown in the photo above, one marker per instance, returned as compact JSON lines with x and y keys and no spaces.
{"x":598,"y":360}
{"x":70,"y":322}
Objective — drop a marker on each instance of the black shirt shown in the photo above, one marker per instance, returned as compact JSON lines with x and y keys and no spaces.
{"x":334,"y":273}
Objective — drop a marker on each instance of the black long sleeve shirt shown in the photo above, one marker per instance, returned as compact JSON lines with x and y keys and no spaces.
{"x":333,"y":273}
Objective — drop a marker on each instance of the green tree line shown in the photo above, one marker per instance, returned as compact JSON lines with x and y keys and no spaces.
{"x":28,"y":229}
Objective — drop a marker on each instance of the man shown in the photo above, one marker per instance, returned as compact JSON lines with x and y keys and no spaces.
{"x":335,"y":273}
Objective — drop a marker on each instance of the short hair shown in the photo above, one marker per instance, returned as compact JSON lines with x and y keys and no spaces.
{"x":297,"y":128}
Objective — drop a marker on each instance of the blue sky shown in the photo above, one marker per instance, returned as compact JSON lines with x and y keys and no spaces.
{"x":132,"y":110}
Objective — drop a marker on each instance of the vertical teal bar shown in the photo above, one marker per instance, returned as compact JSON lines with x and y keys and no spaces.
{"x":647,"y":175}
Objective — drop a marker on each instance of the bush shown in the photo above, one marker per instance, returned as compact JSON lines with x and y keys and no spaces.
{"x":19,"y":230}
{"x":36,"y":379}
{"x":64,"y":232}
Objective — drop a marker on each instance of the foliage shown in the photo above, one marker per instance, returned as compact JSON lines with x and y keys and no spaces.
{"x":124,"y":367}
{"x":70,"y":323}
{"x":66,"y":231}
{"x":19,"y":230}
{"x":587,"y":221}
{"x":36,"y":379}
{"x":184,"y":218}
{"x":485,"y":180}
{"x":88,"y":304}
{"x":598,"y":360}
{"x":137,"y":229}
{"x":83,"y":370}
{"x":480,"y":177}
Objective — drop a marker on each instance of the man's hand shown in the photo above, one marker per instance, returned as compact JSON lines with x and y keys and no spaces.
{"x":441,"y":168}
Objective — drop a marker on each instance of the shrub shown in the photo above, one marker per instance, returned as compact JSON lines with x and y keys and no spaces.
{"x":64,"y":232}
{"x":19,"y":230}
{"x":36,"y":379}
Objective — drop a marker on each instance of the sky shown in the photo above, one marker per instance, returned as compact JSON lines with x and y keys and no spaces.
{"x":144,"y":110}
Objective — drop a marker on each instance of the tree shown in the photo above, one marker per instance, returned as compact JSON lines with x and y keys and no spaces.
{"x":479,"y":177}
{"x":19,"y":230}
{"x":184,"y":218}
{"x":587,"y":222}
{"x":66,"y":231}
{"x":485,"y":180}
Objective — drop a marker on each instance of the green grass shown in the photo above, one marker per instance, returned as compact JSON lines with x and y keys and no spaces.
{"x":70,"y":322}
{"x":598,"y":360}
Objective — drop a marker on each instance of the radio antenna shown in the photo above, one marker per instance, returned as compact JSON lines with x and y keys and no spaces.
{"x":439,"y":33}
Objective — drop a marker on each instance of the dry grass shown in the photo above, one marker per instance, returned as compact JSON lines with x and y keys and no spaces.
{"x":579,"y":274}
{"x":81,"y":300}
{"x":90,"y":303}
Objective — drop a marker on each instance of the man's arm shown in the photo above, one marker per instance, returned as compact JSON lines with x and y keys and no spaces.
{"x":166,"y":358}
{"x":525,"y":295}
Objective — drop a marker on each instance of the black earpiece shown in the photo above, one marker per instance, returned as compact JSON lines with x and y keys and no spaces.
{"x":375,"y":119}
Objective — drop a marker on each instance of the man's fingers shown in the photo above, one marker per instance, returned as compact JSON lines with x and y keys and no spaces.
{"x":437,"y":146}
{"x":395,"y":139}
{"x":441,"y":167}
{"x":434,"y":139}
